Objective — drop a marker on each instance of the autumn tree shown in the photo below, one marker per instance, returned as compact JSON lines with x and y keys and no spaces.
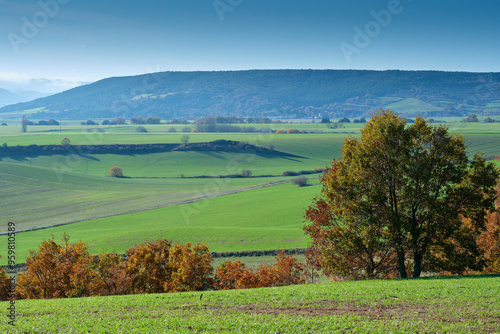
{"x":356,"y":250}
{"x":65,"y":142}
{"x":59,"y":271}
{"x":191,"y":268}
{"x":235,"y":275}
{"x":406,"y":190}
{"x":489,"y":239}
{"x":116,"y":171}
{"x":287,"y":270}
{"x":147,"y":266}
{"x":5,"y":284}
{"x":112,"y":272}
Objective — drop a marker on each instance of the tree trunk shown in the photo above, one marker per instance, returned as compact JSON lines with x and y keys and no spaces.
{"x":401,"y":264}
{"x":417,"y":269}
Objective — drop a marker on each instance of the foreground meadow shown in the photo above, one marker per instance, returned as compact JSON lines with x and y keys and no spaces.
{"x":428,"y":305}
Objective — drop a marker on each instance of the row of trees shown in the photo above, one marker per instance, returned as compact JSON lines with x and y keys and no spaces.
{"x":148,"y":120}
{"x":65,"y":270}
{"x":405,"y":198}
{"x":25,"y":122}
{"x":473,"y":118}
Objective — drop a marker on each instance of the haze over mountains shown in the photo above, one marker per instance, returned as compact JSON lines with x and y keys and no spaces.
{"x":273,"y":93}
{"x":7,"y":97}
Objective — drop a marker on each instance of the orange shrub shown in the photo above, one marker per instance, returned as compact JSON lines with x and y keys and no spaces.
{"x":116,"y":171}
{"x":235,"y":275}
{"x":4,"y":284}
{"x":147,"y":266}
{"x":191,"y":268}
{"x":293,"y":131}
{"x":58,"y":271}
{"x":489,"y":240}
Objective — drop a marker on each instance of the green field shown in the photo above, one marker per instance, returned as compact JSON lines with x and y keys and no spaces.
{"x":432,"y":305}
{"x":261,"y":219}
{"x":35,"y":197}
{"x":48,"y":190}
{"x":406,"y":106}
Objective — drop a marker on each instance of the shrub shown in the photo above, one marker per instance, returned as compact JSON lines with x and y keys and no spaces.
{"x":319,"y":169}
{"x":60,"y":271}
{"x":246,"y":173}
{"x":290,"y":173}
{"x":293,"y":131}
{"x":300,"y":181}
{"x":185,"y":139}
{"x":280,"y":131}
{"x":191,"y":268}
{"x":116,"y":171}
{"x":141,"y":129}
{"x":172,"y":130}
{"x":235,"y":275}
{"x":471,"y":118}
{"x":5,"y":283}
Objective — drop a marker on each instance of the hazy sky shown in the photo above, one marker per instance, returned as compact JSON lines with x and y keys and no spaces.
{"x":53,"y":45}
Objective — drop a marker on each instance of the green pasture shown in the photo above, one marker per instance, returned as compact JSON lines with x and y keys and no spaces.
{"x":37,"y":197}
{"x":431,"y":305}
{"x":310,"y":151}
{"x":410,"y":105}
{"x":260,"y":219}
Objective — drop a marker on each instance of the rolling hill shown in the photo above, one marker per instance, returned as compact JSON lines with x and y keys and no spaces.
{"x":274,"y":93}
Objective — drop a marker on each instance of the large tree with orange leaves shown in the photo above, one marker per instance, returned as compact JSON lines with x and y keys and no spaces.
{"x":404,"y":190}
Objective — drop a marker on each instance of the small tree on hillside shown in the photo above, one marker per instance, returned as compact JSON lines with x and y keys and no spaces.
{"x":24,"y":124}
{"x":116,"y":171}
{"x":246,"y":173}
{"x":185,"y":139}
{"x":65,"y":142}
{"x":300,"y":181}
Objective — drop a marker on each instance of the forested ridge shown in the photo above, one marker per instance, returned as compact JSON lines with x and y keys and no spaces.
{"x":274,"y":93}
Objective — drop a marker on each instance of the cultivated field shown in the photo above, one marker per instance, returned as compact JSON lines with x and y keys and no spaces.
{"x":437,"y":305}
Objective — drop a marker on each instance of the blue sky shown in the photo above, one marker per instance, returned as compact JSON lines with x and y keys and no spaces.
{"x":77,"y":41}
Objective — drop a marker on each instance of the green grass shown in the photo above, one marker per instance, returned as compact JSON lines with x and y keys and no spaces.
{"x":261,"y":219}
{"x":36,"y":196}
{"x":410,"y":105}
{"x":438,"y":305}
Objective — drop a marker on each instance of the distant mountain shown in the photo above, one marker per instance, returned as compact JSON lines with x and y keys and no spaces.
{"x":8,"y":97}
{"x":275,"y":93}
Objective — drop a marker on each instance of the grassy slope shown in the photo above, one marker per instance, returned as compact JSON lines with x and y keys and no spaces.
{"x":60,"y":189}
{"x":36,"y":196}
{"x":446,"y":305}
{"x":267,"y":218}
{"x":407,"y":106}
